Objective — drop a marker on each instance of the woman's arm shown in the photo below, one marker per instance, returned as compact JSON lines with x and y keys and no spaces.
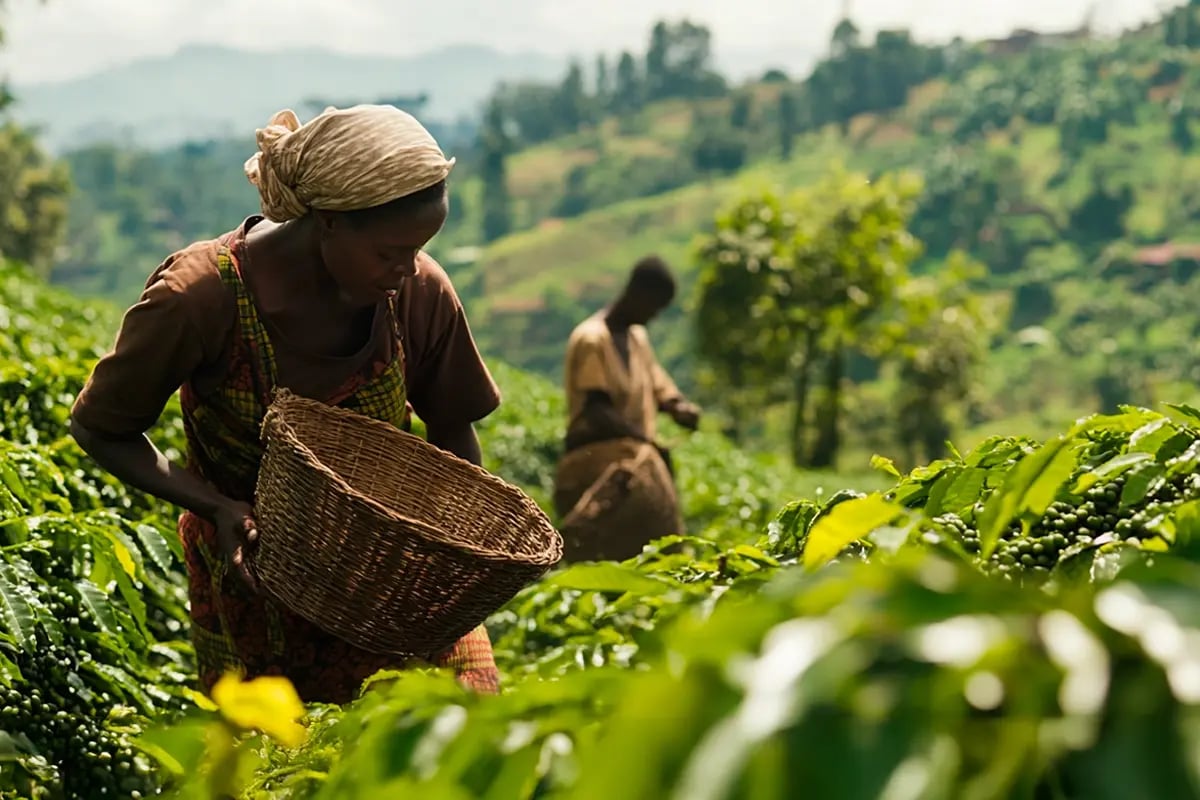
{"x":179,"y":323}
{"x":457,"y":438}
{"x":449,"y":386}
{"x":138,"y":463}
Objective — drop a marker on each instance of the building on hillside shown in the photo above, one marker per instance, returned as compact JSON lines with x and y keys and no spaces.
{"x":1143,"y":267}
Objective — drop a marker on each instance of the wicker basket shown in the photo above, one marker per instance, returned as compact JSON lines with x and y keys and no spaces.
{"x":614,"y":497}
{"x":382,"y":539}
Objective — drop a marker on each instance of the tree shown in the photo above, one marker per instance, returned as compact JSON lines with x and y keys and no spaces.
{"x":535,"y":110}
{"x":1100,"y":218}
{"x":679,"y":62}
{"x":657,"y":74}
{"x":1181,"y":126}
{"x":898,"y":64}
{"x":716,"y":146}
{"x":571,"y":103}
{"x":790,"y":286}
{"x":968,"y":193}
{"x":603,"y":90}
{"x":1122,"y":340}
{"x":936,"y":341}
{"x":845,"y":38}
{"x":1179,"y":26}
{"x":129,"y":206}
{"x":494,"y":145}
{"x":691,"y":59}
{"x":33,"y":199}
{"x":33,"y":193}
{"x":1087,"y":107}
{"x":739,"y":262}
{"x":822,"y":92}
{"x":575,"y":198}
{"x":789,"y":122}
{"x":629,"y":93}
{"x":741,"y":109}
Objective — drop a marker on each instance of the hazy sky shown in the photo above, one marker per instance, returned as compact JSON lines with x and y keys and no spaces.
{"x":63,"y":38}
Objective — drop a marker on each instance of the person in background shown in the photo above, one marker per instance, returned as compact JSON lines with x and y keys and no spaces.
{"x":615,"y":390}
{"x":329,"y":294}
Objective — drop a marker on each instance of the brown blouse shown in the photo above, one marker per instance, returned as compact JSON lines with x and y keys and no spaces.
{"x":181,"y":330}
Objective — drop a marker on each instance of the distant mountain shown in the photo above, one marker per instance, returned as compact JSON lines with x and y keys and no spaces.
{"x":209,"y":91}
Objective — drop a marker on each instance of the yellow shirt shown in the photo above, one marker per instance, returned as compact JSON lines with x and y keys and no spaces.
{"x":594,"y":364}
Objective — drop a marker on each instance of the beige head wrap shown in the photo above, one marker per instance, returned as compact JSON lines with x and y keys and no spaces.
{"x":343,"y":160}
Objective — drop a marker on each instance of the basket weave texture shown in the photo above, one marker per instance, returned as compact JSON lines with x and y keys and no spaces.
{"x":384,"y":540}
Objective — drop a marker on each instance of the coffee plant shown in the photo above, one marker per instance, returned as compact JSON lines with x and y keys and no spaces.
{"x":93,"y":640}
{"x":1016,"y":622}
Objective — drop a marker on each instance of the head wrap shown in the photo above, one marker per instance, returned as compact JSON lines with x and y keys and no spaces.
{"x":343,"y":160}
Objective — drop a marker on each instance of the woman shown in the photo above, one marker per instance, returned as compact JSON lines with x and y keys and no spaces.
{"x":328,"y":294}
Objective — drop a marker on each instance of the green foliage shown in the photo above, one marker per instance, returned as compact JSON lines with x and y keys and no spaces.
{"x":936,"y":342}
{"x":856,"y":79}
{"x":33,"y":198}
{"x":92,"y":595}
{"x":966,"y":194}
{"x":788,"y":115}
{"x":495,"y":146}
{"x":1012,"y":622}
{"x":1081,"y":90}
{"x":790,"y":284}
{"x":1181,"y":28}
{"x":716,"y":145}
{"x":995,"y":624}
{"x":628,"y":93}
{"x":1100,"y":217}
{"x":92,"y":568}
{"x":130,"y":209}
{"x":1121,"y":341}
{"x":738,"y":671}
{"x":746,"y":255}
{"x":679,"y":62}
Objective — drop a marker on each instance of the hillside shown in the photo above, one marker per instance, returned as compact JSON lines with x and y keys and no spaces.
{"x":584,"y":260}
{"x":1064,"y":164}
{"x":203,"y":92}
{"x":1063,"y":193}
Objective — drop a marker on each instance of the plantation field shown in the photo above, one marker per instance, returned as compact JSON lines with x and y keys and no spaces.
{"x":1017,"y":621}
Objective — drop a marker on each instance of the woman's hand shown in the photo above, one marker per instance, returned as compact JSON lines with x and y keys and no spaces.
{"x":237,"y":533}
{"x":136,"y":461}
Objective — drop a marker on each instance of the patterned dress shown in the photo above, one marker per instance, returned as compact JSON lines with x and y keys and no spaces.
{"x":234,"y":629}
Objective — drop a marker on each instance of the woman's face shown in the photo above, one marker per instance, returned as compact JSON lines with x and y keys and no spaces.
{"x":370,"y":260}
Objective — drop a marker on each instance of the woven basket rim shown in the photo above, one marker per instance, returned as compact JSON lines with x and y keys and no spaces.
{"x":284,"y":399}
